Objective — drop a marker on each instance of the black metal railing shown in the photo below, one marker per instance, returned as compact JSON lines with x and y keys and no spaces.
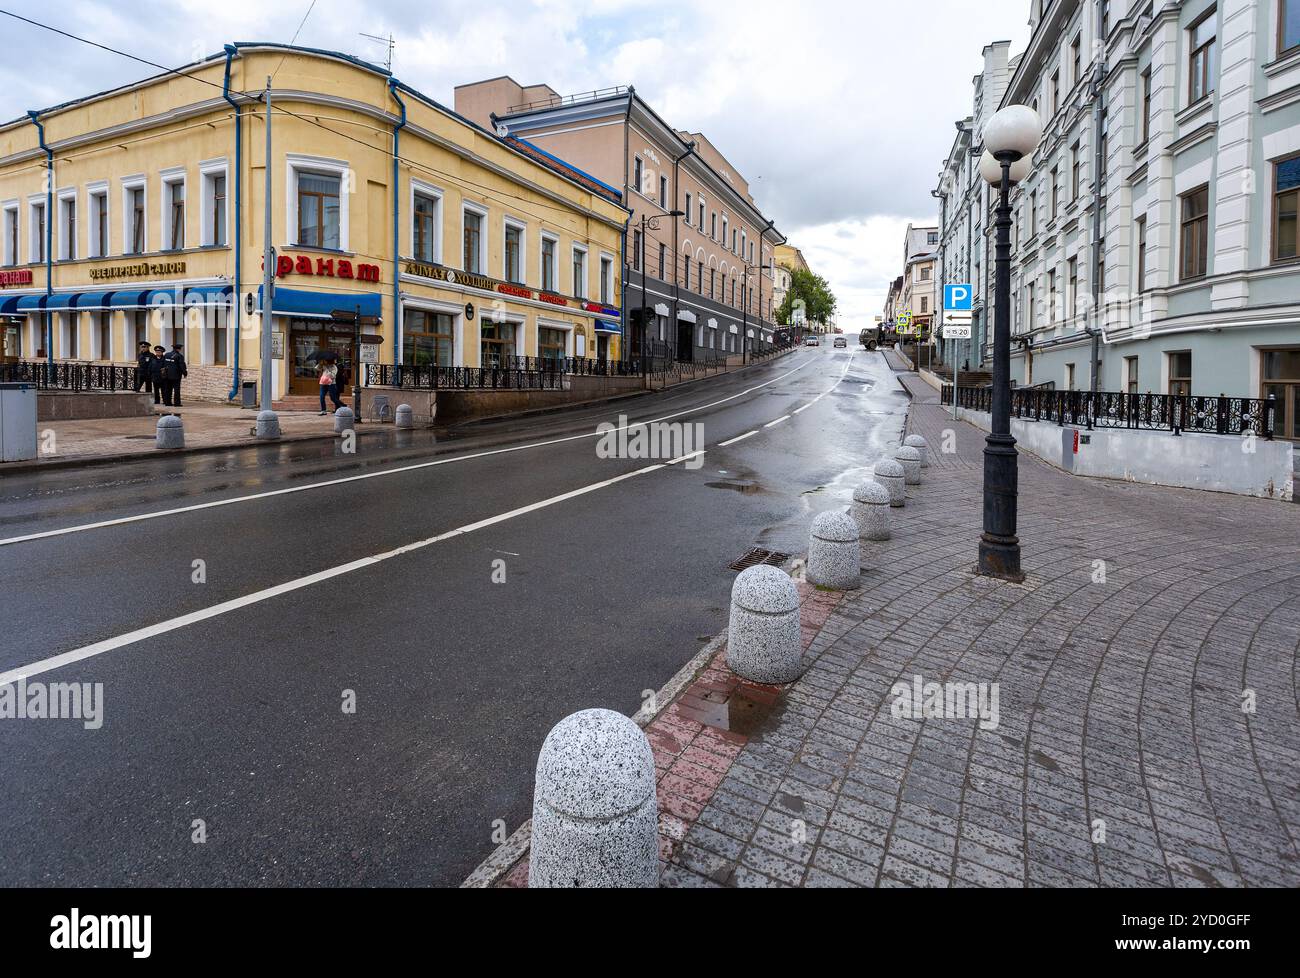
{"x":504,"y":373}
{"x":67,"y":375}
{"x":1177,"y":413}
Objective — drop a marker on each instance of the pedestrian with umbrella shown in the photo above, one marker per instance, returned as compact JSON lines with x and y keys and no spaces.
{"x":327,"y":363}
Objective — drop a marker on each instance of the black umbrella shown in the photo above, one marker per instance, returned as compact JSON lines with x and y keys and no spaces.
{"x":323,"y":355}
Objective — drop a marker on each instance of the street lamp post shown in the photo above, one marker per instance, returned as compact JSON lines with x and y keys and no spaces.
{"x":744,"y":310}
{"x":1009,"y":140}
{"x":648,"y":223}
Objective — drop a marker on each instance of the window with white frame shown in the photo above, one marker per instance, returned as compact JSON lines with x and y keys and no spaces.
{"x":101,"y":334}
{"x":606,"y":279}
{"x":10,"y":229}
{"x":214,"y":214}
{"x":638,"y":175}
{"x":702,"y":209}
{"x":67,"y":225}
{"x":135,"y":218}
{"x":473,"y":239}
{"x":426,"y":223}
{"x":173,"y":203}
{"x":550,"y":272}
{"x":97,"y":230}
{"x":36,"y":230}
{"x":513,"y":253}
{"x":663,"y":191}
{"x":579,"y":272}
{"x":320,"y":191}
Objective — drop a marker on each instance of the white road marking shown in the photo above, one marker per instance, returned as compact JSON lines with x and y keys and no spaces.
{"x":748,"y":434}
{"x":83,"y":527}
{"x":773,"y":424}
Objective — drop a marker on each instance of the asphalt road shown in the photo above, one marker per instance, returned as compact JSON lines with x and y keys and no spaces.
{"x":223,"y":700}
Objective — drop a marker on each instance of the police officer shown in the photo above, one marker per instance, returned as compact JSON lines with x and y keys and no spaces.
{"x":158,"y":377}
{"x":174,"y":369}
{"x":143,"y":367}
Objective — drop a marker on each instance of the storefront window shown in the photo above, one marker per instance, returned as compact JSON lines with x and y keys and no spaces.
{"x":221,"y":319}
{"x":498,"y":344}
{"x":11,"y":334}
{"x":552,"y":344}
{"x":1282,"y":381}
{"x":318,"y":210}
{"x":427,"y":339}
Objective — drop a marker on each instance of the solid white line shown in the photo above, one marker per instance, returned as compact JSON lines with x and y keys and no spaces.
{"x":773,"y":424}
{"x":256,"y":597}
{"x":81,"y":528}
{"x":804,"y":408}
{"x":748,"y":434}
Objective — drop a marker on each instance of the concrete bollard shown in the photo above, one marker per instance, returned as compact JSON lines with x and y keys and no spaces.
{"x":764,"y":640}
{"x":268,"y":425}
{"x":170,"y":432}
{"x":834,"y":557}
{"x":595,"y":814}
{"x":889,"y":473}
{"x":344,"y":420}
{"x":404,"y":417}
{"x":922,"y":446}
{"x":910,"y":459}
{"x":871,"y":511}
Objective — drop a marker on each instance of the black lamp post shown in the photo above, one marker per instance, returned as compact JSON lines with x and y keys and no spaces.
{"x":744,"y":309}
{"x":648,"y":223}
{"x":1009,"y":140}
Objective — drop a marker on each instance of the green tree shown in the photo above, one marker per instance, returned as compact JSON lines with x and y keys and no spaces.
{"x":816,"y":295}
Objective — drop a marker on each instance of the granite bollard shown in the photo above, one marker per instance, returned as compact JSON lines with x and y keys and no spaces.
{"x":834,"y":556}
{"x":595,"y":813}
{"x":170,"y":432}
{"x":922,"y":446}
{"x":344,"y":420}
{"x":268,"y":425}
{"x":871,"y":511}
{"x":764,"y":641}
{"x":889,"y":473}
{"x":404,"y":417}
{"x":910,"y":459}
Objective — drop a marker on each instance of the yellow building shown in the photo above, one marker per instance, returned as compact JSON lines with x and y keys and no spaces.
{"x":152,"y":227}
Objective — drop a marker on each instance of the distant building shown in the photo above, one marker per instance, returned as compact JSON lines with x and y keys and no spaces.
{"x":920,"y":264}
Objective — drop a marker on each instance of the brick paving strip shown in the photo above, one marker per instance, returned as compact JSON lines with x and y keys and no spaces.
{"x":1120,"y":702}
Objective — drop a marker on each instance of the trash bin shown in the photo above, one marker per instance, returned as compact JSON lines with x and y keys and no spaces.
{"x":248,"y":392}
{"x":17,"y":422}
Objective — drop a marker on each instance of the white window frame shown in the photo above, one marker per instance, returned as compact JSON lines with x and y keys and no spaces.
{"x":209,"y":170}
{"x":68,"y":250}
{"x":34,"y":244}
{"x":296,"y":163}
{"x":580,"y":289}
{"x":606,"y":274}
{"x":96,"y":347}
{"x":702,"y":205}
{"x":522,"y":228}
{"x":419,"y":188}
{"x":544,"y":323}
{"x":470,"y":207}
{"x":130,"y":184}
{"x":96,"y":202}
{"x":12,"y":229}
{"x":171,"y":178}
{"x":541,"y":263}
{"x":457,"y":314}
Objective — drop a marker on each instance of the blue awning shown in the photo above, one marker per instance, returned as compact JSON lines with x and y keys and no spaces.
{"x":319,"y":305}
{"x":208,"y":294}
{"x":31,"y":303}
{"x":9,"y":305}
{"x":608,"y":326}
{"x":61,"y":300}
{"x":92,"y":300}
{"x":162,"y":297}
{"x":131,"y":299}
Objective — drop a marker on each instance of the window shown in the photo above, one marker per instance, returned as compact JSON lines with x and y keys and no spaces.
{"x":1056,"y":191}
{"x":1180,"y":372}
{"x":174,"y":208}
{"x":701,"y":278}
{"x":319,"y":196}
{"x":36,"y":247}
{"x":1076,"y":171}
{"x":71,"y":333}
{"x":636,"y":249}
{"x":1281,"y":379}
{"x":1286,"y":196}
{"x":1288,"y":18}
{"x":606,"y":279}
{"x":1103,"y":151}
{"x":1069,"y":376}
{"x":686,"y":271}
{"x":552,"y":344}
{"x":140,"y":327}
{"x":932,"y":238}
{"x":1142,"y":254}
{"x":733,"y":241}
{"x":701,"y":205}
{"x":1033,"y":213}
{"x":498,"y":344}
{"x":663,"y":259}
{"x":220,"y":344}
{"x":1131,"y":375}
{"x":425,"y":227}
{"x":214,"y":216}
{"x":725,"y":225}
{"x":68,"y":227}
{"x":1072,"y":289}
{"x":713,"y":225}
{"x":102,"y":322}
{"x":687,"y":216}
{"x":11,"y":235}
{"x":924,"y":274}
{"x":638,"y":175}
{"x":1194,"y":235}
{"x":1105,"y":18}
{"x":1201,"y":42}
{"x":513,"y":268}
{"x":1144,"y":133}
{"x":472,"y":241}
{"x":549,"y":267}
{"x":1076,"y":59}
{"x":137,"y":240}
{"x":580,"y":273}
{"x":925,"y":304}
{"x":1056,"y":92}
{"x":427,"y":338}
{"x":663,"y":191}
{"x":99,"y":247}
{"x":1051,"y":298}
{"x":713,"y":273}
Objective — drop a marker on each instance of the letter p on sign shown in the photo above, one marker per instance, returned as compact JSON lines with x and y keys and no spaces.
{"x":958,"y":298}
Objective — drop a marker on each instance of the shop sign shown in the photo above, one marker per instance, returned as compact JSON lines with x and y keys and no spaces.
{"x":326,"y":267}
{"x":555,"y":300}
{"x":277,"y":346}
{"x":597,"y":307}
{"x":451,"y":276}
{"x":369,"y":352}
{"x":142,"y":269}
{"x":515,"y":290}
{"x":15,"y":276}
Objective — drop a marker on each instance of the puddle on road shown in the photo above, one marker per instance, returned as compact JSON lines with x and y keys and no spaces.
{"x":744,"y":488}
{"x":742,"y":711}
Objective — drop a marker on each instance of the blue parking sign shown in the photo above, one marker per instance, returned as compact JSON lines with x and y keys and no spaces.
{"x":958,"y":298}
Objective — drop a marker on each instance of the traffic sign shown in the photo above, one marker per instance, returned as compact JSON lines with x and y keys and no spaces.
{"x":958,"y":298}
{"x":959,"y":330}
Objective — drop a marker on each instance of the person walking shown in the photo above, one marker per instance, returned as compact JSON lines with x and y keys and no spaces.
{"x":175,"y":369}
{"x":143,"y":367}
{"x":329,"y":384}
{"x":157,"y":376}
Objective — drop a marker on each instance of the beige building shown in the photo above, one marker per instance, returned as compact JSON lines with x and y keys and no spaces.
{"x":920,"y":269}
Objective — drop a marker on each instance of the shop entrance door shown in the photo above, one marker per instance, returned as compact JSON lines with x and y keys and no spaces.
{"x":306,"y":336}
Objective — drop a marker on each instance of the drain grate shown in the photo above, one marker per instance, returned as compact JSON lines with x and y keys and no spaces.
{"x":759,"y":556}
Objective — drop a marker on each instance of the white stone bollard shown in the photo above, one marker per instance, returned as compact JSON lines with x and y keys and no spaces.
{"x":871,"y":511}
{"x":344,"y":420}
{"x":834,"y":557}
{"x":889,"y":473}
{"x":595,"y":814}
{"x":922,"y":446}
{"x":268,"y":425}
{"x":170,"y":432}
{"x":404,"y":416}
{"x":910,"y":459}
{"x":764,"y":641}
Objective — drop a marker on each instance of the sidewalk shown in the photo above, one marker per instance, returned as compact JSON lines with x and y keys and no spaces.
{"x":1120,"y":706}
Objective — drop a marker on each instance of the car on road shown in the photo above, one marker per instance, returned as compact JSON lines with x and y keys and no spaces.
{"x":841,"y":342}
{"x":812,"y":341}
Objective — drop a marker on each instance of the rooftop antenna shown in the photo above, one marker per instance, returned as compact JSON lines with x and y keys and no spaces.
{"x":388,"y":65}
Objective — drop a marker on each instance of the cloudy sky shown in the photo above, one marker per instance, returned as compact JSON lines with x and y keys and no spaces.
{"x":839,"y":113}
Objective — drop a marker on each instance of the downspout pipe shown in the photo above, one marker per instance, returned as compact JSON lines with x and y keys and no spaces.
{"x":397,"y":251}
{"x":236,"y":296}
{"x":49,"y":235}
{"x":1099,"y":169}
{"x":626,"y":317}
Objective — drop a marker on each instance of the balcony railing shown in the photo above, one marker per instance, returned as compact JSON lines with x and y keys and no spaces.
{"x":1177,"y":413}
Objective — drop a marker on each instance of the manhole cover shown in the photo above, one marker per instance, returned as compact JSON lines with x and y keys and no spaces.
{"x":759,"y":556}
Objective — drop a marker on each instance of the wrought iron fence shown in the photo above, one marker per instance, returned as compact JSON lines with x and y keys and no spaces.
{"x":69,"y":376}
{"x":1220,"y":415}
{"x":505,"y":373}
